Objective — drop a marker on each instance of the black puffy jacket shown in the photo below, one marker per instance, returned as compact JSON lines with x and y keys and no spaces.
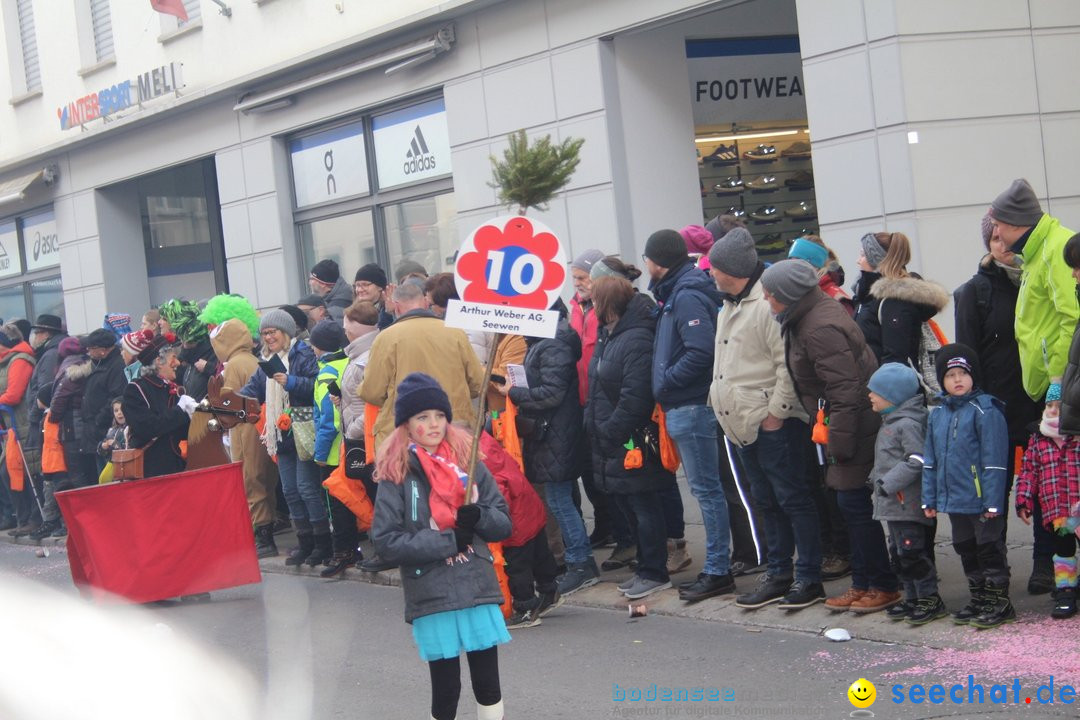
{"x":620,"y":402}
{"x":890,"y":312}
{"x":551,"y":403}
{"x":105,"y":383}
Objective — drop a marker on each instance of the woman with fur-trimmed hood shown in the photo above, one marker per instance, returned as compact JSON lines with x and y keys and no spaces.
{"x":891,"y":304}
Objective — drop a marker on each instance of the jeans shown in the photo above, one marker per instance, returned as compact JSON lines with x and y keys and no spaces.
{"x":647,"y":520}
{"x":560,"y":500}
{"x":776,"y":467}
{"x":303,"y":491}
{"x":870,"y":566}
{"x":694,"y":430}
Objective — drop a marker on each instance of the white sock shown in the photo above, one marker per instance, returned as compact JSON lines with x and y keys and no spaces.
{"x":489,"y":712}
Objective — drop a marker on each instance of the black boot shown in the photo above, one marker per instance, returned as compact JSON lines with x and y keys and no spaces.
{"x":306,"y":538}
{"x":264,"y":542}
{"x":1064,"y":603}
{"x":324,"y":545}
{"x":998,"y":609}
{"x":338,"y":564}
{"x":974,"y":608}
{"x":45,"y":529}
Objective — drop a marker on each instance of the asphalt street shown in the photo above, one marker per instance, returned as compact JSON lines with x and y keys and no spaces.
{"x":296,"y":647}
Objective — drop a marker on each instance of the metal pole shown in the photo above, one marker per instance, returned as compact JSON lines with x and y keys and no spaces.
{"x":478,"y":427}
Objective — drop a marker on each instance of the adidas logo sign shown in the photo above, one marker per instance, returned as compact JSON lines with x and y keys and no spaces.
{"x":418,"y":158}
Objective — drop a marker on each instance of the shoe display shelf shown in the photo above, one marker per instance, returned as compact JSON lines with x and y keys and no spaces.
{"x":768,"y":183}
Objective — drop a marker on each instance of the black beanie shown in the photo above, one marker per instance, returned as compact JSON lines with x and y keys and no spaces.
{"x":957,"y":355}
{"x":326,"y":336}
{"x":666,"y":248}
{"x":100,"y":338}
{"x":326,"y":271}
{"x":299,"y":316}
{"x":371,"y":273}
{"x":419,"y":392}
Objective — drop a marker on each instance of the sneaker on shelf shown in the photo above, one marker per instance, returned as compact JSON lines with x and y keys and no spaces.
{"x":766,"y":214}
{"x":834,"y":567}
{"x":729,"y":186}
{"x":734,"y":212}
{"x":762,"y":153}
{"x":901,"y":610}
{"x":927,"y":609}
{"x":621,"y":556}
{"x":644,"y":588}
{"x":842,"y":602}
{"x":802,"y":180}
{"x":522,"y":619}
{"x":770,"y":588}
{"x":763,"y":184}
{"x":707,"y":586}
{"x":578,"y":576}
{"x":678,"y":558}
{"x":802,"y":594}
{"x":797,"y":150}
{"x":803,"y":211}
{"x":740,"y":568}
{"x":723,"y":155}
{"x":874,"y":601}
{"x":1041,"y":581}
{"x":771,"y":243}
{"x":549,"y":601}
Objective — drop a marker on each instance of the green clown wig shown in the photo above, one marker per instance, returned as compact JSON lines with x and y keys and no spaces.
{"x":183,"y":318}
{"x":227,"y":307}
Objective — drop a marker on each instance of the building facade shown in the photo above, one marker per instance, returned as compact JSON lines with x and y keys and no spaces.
{"x":144,"y":157}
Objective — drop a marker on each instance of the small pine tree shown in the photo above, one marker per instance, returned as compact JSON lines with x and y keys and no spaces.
{"x":530,"y":176}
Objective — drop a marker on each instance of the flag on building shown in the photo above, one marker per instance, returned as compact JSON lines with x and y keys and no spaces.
{"x":170,"y":7}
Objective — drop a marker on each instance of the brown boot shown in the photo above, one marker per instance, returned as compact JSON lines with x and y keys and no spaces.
{"x":875,"y":600}
{"x":842,"y":603}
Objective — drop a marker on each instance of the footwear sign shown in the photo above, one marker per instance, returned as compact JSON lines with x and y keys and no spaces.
{"x":411,"y":144}
{"x":508,"y":273}
{"x":737,"y":79}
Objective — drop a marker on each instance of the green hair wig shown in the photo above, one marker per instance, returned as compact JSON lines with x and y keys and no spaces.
{"x":183,"y":317}
{"x":227,"y":307}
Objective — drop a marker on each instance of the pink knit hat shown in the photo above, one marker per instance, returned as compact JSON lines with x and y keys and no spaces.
{"x":698,"y":240}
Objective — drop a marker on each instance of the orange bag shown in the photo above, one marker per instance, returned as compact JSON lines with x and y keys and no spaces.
{"x":820,"y":433}
{"x":52,"y":452}
{"x":504,"y":582}
{"x":14,"y":462}
{"x":633,"y":459}
{"x":371,"y":414}
{"x":669,"y":453}
{"x":506,"y":432}
{"x":351,"y":493}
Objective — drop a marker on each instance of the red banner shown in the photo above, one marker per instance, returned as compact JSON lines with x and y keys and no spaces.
{"x":163,"y":537}
{"x":170,"y":7}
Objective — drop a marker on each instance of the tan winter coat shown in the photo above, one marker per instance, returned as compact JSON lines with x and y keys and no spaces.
{"x":750,"y":377}
{"x":419,"y":342}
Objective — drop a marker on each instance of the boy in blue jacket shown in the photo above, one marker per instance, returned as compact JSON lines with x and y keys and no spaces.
{"x":967,"y":445}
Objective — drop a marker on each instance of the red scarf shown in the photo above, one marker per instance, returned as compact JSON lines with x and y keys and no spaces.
{"x":447,"y":483}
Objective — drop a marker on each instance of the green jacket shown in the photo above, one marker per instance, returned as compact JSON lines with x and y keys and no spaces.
{"x":327,"y":415}
{"x":1046,"y":311}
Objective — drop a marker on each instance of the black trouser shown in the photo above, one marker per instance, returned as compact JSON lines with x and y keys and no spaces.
{"x":979,"y":543}
{"x":607,"y":518}
{"x":747,"y":533}
{"x":834,"y":532}
{"x":446,"y":682}
{"x":1065,"y":545}
{"x":530,"y":568}
{"x":343,"y":530}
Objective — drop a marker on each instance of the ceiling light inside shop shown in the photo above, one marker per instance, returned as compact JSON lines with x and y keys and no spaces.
{"x":750,"y":136}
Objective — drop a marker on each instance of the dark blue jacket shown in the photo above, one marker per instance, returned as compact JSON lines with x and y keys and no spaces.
{"x":967,"y":446}
{"x":301,"y":385}
{"x":685,"y":337}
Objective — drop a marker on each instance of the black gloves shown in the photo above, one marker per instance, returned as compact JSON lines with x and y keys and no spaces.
{"x":880,"y":487}
{"x":467,"y":517}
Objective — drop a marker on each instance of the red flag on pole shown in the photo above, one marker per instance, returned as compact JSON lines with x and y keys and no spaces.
{"x":162,"y":537}
{"x":170,"y":7}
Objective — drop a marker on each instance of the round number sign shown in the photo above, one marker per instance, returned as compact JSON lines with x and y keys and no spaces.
{"x":511,"y":260}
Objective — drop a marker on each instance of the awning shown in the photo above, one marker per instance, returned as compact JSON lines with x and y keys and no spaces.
{"x":400,"y":57}
{"x":14,"y":190}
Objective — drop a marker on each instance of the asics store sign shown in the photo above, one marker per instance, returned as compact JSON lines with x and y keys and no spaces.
{"x":742,"y":80}
{"x":412,"y":144}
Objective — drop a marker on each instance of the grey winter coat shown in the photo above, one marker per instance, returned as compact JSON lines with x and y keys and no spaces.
{"x":403,"y":533}
{"x":898,"y":464}
{"x":339,"y":298}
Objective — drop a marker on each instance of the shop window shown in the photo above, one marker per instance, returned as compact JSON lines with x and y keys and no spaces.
{"x":46,"y":296}
{"x":348,"y":240}
{"x":423,"y":230}
{"x":13,"y":303}
{"x":412,"y":144}
{"x":29,"y":274}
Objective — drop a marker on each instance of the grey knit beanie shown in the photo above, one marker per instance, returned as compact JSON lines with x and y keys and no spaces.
{"x":1018,"y":205}
{"x":872,"y":250}
{"x":279,"y":320}
{"x":734,"y":253}
{"x":789,"y":280}
{"x":585,"y":261}
{"x":987,"y":228}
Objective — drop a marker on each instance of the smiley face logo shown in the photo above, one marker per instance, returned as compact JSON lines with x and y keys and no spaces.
{"x":862,"y":693}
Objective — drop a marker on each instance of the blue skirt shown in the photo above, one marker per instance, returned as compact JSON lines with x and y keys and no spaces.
{"x":444,"y":635}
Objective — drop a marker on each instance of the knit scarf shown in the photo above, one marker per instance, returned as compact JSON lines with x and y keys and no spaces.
{"x":1013,"y":272}
{"x":277,"y":400}
{"x":1050,"y":427}
{"x":447,"y":483}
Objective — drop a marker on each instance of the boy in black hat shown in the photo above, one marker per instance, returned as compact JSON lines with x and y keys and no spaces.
{"x":964,"y":462}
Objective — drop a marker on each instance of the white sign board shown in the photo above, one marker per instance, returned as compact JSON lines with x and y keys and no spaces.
{"x":41,"y":243}
{"x":329,"y":165}
{"x":412,"y":144}
{"x":10,"y":257}
{"x":741,"y":80}
{"x":509,"y":271}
